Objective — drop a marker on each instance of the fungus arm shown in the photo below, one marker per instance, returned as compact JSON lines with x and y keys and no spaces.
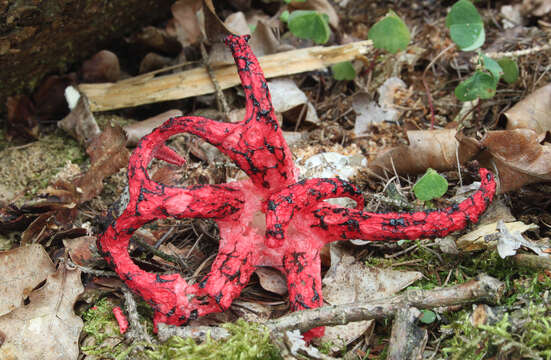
{"x":333,"y":223}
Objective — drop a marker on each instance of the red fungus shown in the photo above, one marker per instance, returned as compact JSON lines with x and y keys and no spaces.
{"x":121,"y":319}
{"x":269,"y":219}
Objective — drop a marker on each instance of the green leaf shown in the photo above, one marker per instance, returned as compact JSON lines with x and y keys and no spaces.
{"x":390,"y":33}
{"x":309,"y":24}
{"x":430,"y":186}
{"x":481,"y":85}
{"x":343,"y":71}
{"x":493,"y":67}
{"x":284,"y":17}
{"x":428,"y":317}
{"x":510,"y":70}
{"x":466,"y":26}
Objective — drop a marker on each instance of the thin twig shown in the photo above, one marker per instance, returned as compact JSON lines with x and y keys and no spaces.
{"x":484,"y":288}
{"x":220,"y":98}
{"x":137,"y":330}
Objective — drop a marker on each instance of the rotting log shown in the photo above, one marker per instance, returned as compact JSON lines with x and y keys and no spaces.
{"x":38,"y":38}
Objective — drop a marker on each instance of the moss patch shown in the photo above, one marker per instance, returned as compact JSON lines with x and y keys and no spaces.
{"x":24,"y":170}
{"x":247,"y":342}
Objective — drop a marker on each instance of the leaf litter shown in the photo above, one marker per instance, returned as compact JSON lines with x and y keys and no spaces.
{"x":517,"y":154}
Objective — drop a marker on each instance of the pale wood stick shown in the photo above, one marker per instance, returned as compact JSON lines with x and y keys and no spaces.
{"x":146,"y":88}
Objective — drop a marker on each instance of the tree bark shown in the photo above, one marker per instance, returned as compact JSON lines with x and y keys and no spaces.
{"x":39,"y":38}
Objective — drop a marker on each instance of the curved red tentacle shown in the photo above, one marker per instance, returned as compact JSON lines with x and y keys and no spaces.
{"x":333,"y":223}
{"x":173,"y":300}
{"x":282,"y":205}
{"x":304,"y":268}
{"x":258,"y":146}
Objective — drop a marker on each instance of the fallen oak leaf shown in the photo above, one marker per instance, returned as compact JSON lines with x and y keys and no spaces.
{"x":436,"y":149}
{"x":108,"y":154}
{"x":521,"y":157}
{"x":533,"y":112}
{"x":22,"y":269}
{"x":47,"y":327}
{"x":348,"y":281}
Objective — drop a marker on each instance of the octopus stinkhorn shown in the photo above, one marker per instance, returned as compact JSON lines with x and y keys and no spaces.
{"x":268,"y":219}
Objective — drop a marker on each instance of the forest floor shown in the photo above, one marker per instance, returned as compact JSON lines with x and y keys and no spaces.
{"x":381,"y":130}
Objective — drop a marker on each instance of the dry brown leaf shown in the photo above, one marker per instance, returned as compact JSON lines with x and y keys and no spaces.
{"x":263,"y":41}
{"x":12,"y":218}
{"x":272,"y":280}
{"x":108,"y":154}
{"x":102,"y":67}
{"x":237,"y":23}
{"x":289,"y":100}
{"x":435,"y":149}
{"x":521,"y":157}
{"x":49,"y":97}
{"x":532,"y":112}
{"x":22,"y":270}
{"x":135,"y":131}
{"x":83,"y":250}
{"x":46,"y":328}
{"x":186,"y":27}
{"x":349,"y":281}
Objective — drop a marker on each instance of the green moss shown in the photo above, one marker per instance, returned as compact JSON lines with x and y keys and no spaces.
{"x":104,"y":338}
{"x":529,"y":336}
{"x":247,"y":342}
{"x":29,"y":168}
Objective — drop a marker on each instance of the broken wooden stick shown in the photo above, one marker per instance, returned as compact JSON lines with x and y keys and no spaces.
{"x":482,"y":289}
{"x":147,"y":88}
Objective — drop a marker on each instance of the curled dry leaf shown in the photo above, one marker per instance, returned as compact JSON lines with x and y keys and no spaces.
{"x":12,"y":218}
{"x":215,"y":28}
{"x":237,"y":23}
{"x":108,"y":154}
{"x":263,"y":40}
{"x":186,"y":26}
{"x":533,"y":112}
{"x":22,"y":270}
{"x":521,"y":157}
{"x":272,"y":280}
{"x":46,"y":328}
{"x":53,"y":214}
{"x":102,"y":67}
{"x":289,"y":100}
{"x":436,"y":149}
{"x":83,"y":251}
{"x":49,"y":98}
